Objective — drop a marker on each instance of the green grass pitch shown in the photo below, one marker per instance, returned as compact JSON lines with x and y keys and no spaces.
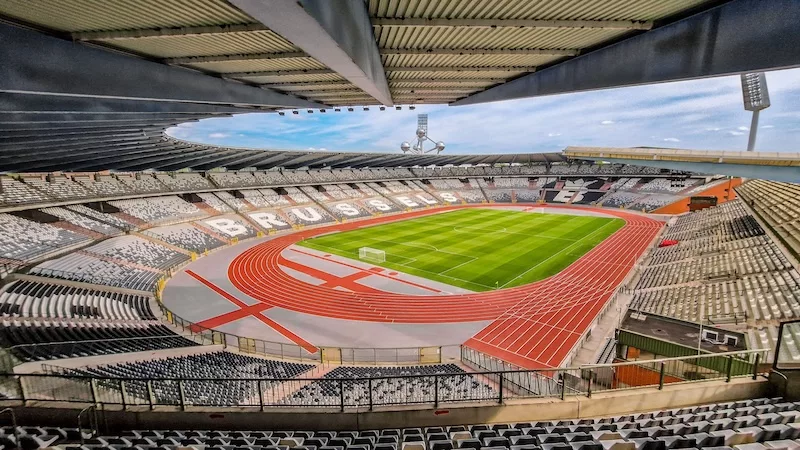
{"x":476,"y":249}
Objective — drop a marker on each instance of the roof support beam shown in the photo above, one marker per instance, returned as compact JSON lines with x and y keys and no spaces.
{"x":736,"y":37}
{"x":447,"y":80}
{"x":513,"y":23}
{"x":337,"y":34}
{"x":41,"y":64}
{"x":461,"y":69}
{"x":478,"y":51}
{"x":165,"y":32}
{"x":234,"y":57}
{"x":277,"y":73}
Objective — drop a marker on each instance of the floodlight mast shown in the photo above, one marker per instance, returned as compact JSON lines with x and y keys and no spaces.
{"x":756,"y":98}
{"x":421,"y":138}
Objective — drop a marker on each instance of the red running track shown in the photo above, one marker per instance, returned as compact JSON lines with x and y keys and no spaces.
{"x":534,"y":326}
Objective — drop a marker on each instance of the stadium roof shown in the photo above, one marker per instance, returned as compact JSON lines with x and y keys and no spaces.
{"x":92,"y":83}
{"x":776,"y":166}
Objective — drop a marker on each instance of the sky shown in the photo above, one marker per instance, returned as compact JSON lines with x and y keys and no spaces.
{"x":705,"y":114}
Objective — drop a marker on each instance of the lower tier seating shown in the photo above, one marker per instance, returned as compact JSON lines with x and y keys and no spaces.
{"x":55,"y":340}
{"x":757,"y":424}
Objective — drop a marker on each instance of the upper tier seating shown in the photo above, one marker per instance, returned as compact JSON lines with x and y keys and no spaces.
{"x":144,"y":183}
{"x":59,"y":187}
{"x":104,"y":185}
{"x":13,"y":192}
{"x":185,"y":236}
{"x":222,"y":365}
{"x":83,"y":221}
{"x":235,"y":203}
{"x":652,"y":202}
{"x":25,"y":240}
{"x":34,"y":299}
{"x":233,"y":179}
{"x":459,"y":387}
{"x":184,"y":181}
{"x":159,"y":209}
{"x":56,"y":340}
{"x":270,"y":178}
{"x":755,"y":424}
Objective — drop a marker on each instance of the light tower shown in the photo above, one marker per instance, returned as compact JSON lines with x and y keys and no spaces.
{"x":756,"y":98}
{"x":422,"y":137}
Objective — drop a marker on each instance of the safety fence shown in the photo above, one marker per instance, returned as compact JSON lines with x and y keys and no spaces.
{"x":327,"y":355}
{"x":495,"y":386}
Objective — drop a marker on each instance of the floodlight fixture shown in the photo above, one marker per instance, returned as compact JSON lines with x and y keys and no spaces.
{"x":350,"y":109}
{"x":281,"y":113}
{"x":366,"y":109}
{"x":337,"y":109}
{"x":398,"y":108}
{"x":383,"y":108}
{"x":295,"y":112}
{"x":322,"y":110}
{"x":412,"y":107}
{"x":756,"y":97}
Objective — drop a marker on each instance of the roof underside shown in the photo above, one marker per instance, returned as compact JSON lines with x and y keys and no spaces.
{"x":432,"y":51}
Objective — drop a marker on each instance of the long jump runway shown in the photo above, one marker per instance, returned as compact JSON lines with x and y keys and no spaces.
{"x":531,"y":326}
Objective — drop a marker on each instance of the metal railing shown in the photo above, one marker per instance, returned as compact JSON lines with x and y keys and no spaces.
{"x":328,"y":355}
{"x":346,"y":393}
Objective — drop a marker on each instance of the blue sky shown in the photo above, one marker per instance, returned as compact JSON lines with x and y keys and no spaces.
{"x":701,"y":114}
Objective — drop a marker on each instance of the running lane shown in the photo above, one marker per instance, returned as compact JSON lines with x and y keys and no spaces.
{"x":534,"y":326}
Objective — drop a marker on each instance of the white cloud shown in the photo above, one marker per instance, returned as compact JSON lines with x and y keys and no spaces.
{"x":742,"y":128}
{"x":553,"y":134}
{"x":713,"y":129}
{"x":218,"y":135}
{"x":671,"y":139}
{"x":607,"y":122}
{"x":768,"y":126}
{"x":735,"y":133}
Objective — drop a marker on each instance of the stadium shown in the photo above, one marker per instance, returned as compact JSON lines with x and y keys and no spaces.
{"x":157,"y":293}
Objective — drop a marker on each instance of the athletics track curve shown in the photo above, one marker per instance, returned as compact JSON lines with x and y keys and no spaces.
{"x":534,"y":325}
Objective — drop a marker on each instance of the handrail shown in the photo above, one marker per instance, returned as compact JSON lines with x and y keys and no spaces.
{"x":677,"y":358}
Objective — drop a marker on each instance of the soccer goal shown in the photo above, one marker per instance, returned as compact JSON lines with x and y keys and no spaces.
{"x":372,"y":254}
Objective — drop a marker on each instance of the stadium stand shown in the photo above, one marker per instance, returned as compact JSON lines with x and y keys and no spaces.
{"x":92,"y":269}
{"x":13,"y":192}
{"x":778,"y":204}
{"x":29,"y":241}
{"x":35,"y":299}
{"x":460,"y":387}
{"x":139,"y":252}
{"x":213,"y":202}
{"x":230,"y":226}
{"x":754,"y":424}
{"x":185,"y":236}
{"x":51,"y":339}
{"x":83,"y":221}
{"x":217,"y":365}
{"x":58,"y":187}
{"x":184,"y":181}
{"x":142,"y":183}
{"x":159,"y":210}
{"x":237,"y":204}
{"x":110,"y":219}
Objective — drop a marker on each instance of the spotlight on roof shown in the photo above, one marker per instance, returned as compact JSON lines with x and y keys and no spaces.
{"x":281,"y":113}
{"x":366,"y":109}
{"x":350,"y":109}
{"x":412,"y":107}
{"x":337,"y":109}
{"x":322,"y":110}
{"x":295,"y":112}
{"x":398,"y":108}
{"x":383,"y":108}
{"x":310,"y":111}
{"x":756,"y":98}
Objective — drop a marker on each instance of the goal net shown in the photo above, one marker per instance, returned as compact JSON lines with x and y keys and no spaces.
{"x":372,"y":254}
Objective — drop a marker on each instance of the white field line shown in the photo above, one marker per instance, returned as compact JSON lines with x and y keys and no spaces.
{"x":556,"y":254}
